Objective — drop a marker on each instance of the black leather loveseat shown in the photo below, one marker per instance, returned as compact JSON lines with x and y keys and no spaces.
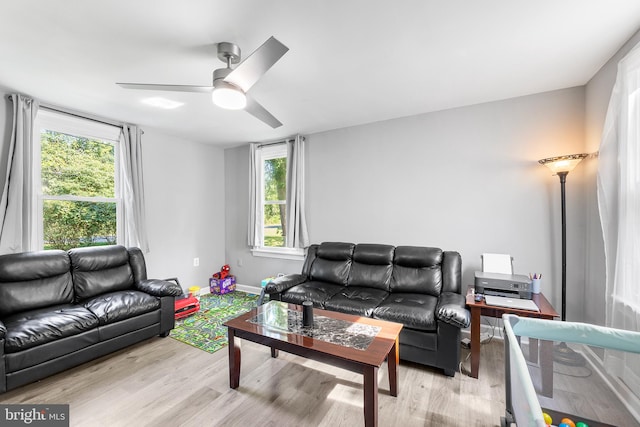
{"x":60,"y":309}
{"x":419,"y":287}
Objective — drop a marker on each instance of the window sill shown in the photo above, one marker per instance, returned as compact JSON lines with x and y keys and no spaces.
{"x":294,"y":254}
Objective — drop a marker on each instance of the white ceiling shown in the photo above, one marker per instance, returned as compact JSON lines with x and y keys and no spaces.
{"x":350,"y":61}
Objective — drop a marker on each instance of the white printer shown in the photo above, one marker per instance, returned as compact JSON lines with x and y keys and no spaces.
{"x":504,"y":285}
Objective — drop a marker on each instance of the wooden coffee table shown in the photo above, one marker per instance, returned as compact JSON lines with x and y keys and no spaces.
{"x":258,"y":326}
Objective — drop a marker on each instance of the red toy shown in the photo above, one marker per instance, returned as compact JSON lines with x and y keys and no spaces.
{"x":186,"y":305}
{"x":223,"y":273}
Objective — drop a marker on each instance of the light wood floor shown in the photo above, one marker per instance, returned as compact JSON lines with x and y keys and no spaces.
{"x":162,"y":382}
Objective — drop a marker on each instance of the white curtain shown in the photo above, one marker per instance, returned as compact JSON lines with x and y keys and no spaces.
{"x":619,"y":206}
{"x":17,"y":205}
{"x":255,"y":229}
{"x":297,"y":235}
{"x":132,"y":188}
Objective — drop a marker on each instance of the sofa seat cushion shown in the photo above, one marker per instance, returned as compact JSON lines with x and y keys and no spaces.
{"x":416,"y":311}
{"x":115,"y":306}
{"x":32,"y":328}
{"x":356,"y":300}
{"x":314,"y":291}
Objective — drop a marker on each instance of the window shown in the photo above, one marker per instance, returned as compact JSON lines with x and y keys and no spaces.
{"x":274,"y":195}
{"x":277,"y":224}
{"x":75,"y":182}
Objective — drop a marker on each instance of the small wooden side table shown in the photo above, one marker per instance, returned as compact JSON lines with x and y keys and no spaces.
{"x":546,"y":348}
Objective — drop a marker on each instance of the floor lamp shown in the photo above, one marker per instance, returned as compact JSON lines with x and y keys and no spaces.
{"x":562,"y":165}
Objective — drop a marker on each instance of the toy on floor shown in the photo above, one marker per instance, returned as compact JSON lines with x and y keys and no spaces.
{"x":223,"y":273}
{"x":185,"y":304}
{"x":222,"y":282}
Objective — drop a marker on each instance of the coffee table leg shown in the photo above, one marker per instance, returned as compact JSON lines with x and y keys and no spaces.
{"x":392,"y":366}
{"x":274,"y":352}
{"x":371,"y":396}
{"x":234,"y":361}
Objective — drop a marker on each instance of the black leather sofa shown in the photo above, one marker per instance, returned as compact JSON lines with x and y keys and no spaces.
{"x":419,"y":287}
{"x":60,"y":309}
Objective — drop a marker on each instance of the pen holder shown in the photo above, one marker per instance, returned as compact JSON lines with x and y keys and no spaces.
{"x":535,"y":286}
{"x":307,"y":313}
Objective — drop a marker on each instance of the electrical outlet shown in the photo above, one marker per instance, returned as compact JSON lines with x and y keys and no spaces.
{"x":196,"y":262}
{"x":239,"y":262}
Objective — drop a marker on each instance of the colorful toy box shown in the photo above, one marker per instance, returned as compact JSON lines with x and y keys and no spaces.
{"x":222,"y":286}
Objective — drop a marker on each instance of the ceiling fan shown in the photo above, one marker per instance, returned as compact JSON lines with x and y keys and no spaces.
{"x":230,"y":85}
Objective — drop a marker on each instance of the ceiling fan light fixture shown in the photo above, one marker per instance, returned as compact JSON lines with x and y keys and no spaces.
{"x":226,"y":95}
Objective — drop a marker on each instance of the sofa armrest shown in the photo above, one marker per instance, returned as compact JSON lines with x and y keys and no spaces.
{"x":451,"y":309}
{"x":159,"y":288}
{"x":3,"y":332}
{"x":282,"y":283}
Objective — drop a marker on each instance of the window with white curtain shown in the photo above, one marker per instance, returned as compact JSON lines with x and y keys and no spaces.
{"x":75,"y":182}
{"x":277,"y":224}
{"x":271,"y":213}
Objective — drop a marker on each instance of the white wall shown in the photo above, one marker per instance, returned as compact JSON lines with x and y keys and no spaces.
{"x":184,"y":184}
{"x":184,"y":187}
{"x":465,"y":179}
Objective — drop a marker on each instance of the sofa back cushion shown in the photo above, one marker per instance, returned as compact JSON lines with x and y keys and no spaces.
{"x":371,"y":266}
{"x":101,"y":269}
{"x":32,"y":280}
{"x":417,"y":270}
{"x":312,"y":253}
{"x":332,"y":263}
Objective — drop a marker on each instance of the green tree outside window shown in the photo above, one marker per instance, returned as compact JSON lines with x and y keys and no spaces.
{"x":275,"y":195}
{"x":84,"y":168}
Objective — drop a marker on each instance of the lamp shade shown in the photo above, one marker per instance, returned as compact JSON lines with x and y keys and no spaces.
{"x":562,"y":164}
{"x":226,"y":95}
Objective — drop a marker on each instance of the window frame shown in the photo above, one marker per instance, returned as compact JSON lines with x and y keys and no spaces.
{"x":264,"y":153}
{"x":78,"y":127}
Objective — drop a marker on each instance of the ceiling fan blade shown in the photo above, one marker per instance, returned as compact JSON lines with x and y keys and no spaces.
{"x":249,"y":71}
{"x":259,"y":112}
{"x":173,"y":88}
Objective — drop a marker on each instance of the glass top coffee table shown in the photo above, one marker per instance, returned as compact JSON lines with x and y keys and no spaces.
{"x":359,"y":344}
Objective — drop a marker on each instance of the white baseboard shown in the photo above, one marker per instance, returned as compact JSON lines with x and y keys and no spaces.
{"x":249,"y":289}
